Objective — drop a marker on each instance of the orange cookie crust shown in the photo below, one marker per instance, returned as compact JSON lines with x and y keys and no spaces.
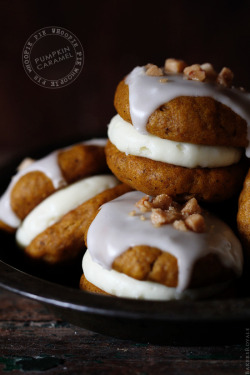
{"x":154,"y":177}
{"x":65,"y":239}
{"x":89,"y":287}
{"x":82,"y":161}
{"x":146,"y":263}
{"x":6,"y":228}
{"x":152,"y":264}
{"x":197,"y":120}
{"x":243,"y":217}
{"x":30,"y":190}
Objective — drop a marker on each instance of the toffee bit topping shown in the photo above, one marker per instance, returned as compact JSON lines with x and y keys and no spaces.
{"x":191,"y":207}
{"x":225,"y":77}
{"x":206,"y":73}
{"x":196,"y":223}
{"x":166,"y":211}
{"x":195,"y":72}
{"x":209,"y":70}
{"x":174,"y":66}
{"x":153,"y":70}
{"x":180,"y":225}
{"x":160,"y":217}
{"x":144,"y":204}
{"x":162,"y":201}
{"x":163,"y":80}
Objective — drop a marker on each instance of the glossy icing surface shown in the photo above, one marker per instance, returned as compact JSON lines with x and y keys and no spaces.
{"x":114,"y":231}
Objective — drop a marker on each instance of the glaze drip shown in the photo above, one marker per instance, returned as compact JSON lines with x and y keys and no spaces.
{"x":119,"y":231}
{"x":49,"y":166}
{"x":147,"y":93}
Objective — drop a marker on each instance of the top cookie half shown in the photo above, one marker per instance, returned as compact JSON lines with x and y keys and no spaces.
{"x":199,"y":112}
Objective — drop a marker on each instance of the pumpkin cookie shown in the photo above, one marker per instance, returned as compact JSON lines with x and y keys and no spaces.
{"x":156,"y":248}
{"x":183,"y":129}
{"x":36,"y":180}
{"x":54,"y":231}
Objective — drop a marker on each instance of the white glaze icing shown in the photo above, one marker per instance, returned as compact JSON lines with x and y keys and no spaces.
{"x":96,"y":142}
{"x":51,"y":210}
{"x":121,"y":285}
{"x":49,"y":166}
{"x":127,"y":139}
{"x":147,"y":93}
{"x":119,"y":231}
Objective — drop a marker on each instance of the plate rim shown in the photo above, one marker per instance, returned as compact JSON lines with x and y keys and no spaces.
{"x":41,"y":290}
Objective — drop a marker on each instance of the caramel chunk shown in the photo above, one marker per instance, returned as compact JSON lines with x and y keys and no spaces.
{"x":225,"y":77}
{"x":195,"y":73}
{"x":153,"y":70}
{"x":196,"y":223}
{"x":174,"y":66}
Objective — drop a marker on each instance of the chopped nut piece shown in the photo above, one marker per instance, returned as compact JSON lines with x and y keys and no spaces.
{"x":142,"y":217}
{"x":209,"y":70}
{"x":195,"y":72}
{"x":153,"y":70}
{"x":162,"y":201}
{"x":196,"y":223}
{"x":174,"y":66}
{"x":180,"y":225}
{"x":225,"y":77}
{"x":144,"y":204}
{"x":132,"y":213}
{"x":191,"y":207}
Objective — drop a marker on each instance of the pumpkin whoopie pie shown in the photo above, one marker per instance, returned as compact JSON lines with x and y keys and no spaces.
{"x":38,"y":179}
{"x":179,"y":131}
{"x":53,"y":233}
{"x":156,"y":248}
{"x":50,"y":201}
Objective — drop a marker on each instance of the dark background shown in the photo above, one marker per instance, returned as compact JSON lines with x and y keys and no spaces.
{"x":116,"y":36}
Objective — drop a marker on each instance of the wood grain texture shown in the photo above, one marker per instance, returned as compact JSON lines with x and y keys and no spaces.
{"x":33,"y":340}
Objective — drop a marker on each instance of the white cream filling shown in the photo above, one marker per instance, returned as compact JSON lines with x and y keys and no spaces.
{"x":121,"y":285}
{"x":58,"y":204}
{"x":127,"y":139}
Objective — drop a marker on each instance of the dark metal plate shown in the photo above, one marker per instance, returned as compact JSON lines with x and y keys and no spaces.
{"x":175,"y":322}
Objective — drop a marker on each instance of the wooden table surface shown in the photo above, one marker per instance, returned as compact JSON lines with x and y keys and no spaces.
{"x":33,"y":340}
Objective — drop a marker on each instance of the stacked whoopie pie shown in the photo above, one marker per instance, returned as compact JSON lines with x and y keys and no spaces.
{"x":178,"y":140}
{"x":49,"y":201}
